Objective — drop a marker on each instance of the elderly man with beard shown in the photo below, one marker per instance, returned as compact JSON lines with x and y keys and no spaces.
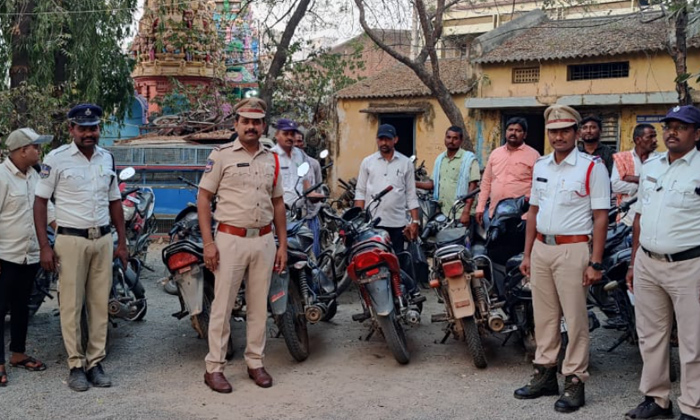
{"x":591,"y":127}
{"x":508,"y":173}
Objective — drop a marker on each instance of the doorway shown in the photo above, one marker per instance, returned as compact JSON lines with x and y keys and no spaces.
{"x":405,"y":125}
{"x":535,"y":128}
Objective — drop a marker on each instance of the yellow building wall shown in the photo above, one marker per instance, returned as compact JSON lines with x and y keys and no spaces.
{"x":357,"y":131}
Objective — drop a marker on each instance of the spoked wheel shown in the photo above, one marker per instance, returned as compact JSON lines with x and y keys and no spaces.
{"x":474,"y":345}
{"x":293,"y":326}
{"x":395,"y":337}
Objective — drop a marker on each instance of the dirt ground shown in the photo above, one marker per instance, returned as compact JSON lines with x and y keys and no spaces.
{"x":157,"y":368}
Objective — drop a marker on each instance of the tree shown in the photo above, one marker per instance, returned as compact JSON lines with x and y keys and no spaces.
{"x":677,"y":48}
{"x":426,"y":64}
{"x":68,"y":50}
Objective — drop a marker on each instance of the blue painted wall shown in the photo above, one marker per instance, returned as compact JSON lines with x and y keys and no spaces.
{"x":121,"y":130}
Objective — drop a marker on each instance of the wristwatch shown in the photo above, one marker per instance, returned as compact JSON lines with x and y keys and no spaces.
{"x":596,"y":266}
{"x":414,"y":221}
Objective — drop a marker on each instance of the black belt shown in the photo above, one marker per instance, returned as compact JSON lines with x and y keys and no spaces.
{"x":91,"y":233}
{"x":688,"y":254}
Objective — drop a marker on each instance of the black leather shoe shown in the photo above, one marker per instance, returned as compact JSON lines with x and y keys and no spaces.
{"x":574,"y":396}
{"x":77,"y":380}
{"x":544,"y":382}
{"x":98,"y":377}
{"x":687,"y":417}
{"x":649,"y":409}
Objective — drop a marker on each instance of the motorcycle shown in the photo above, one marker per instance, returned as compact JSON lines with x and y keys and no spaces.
{"x":379,"y":276}
{"x":43,"y":282}
{"x":138,"y":207}
{"x":312,"y":295}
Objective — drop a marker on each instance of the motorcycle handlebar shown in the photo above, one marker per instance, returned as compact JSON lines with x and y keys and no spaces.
{"x":129,"y":192}
{"x":188,"y":182}
{"x":469,"y":195}
{"x":312,"y":189}
{"x":627,"y":205}
{"x":382,"y":193}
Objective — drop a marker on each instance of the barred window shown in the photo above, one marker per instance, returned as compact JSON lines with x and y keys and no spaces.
{"x":526,"y":75}
{"x":598,"y":71}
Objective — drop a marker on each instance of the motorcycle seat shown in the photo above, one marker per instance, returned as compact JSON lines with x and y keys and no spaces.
{"x":293,"y":227}
{"x":451,"y":236}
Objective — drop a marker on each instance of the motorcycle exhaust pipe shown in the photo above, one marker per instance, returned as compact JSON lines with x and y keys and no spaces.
{"x":413,"y":317}
{"x":117,"y":309}
{"x":315,"y":313}
{"x":496,"y":322}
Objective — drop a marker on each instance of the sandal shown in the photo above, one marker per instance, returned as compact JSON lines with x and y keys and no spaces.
{"x":30,"y":364}
{"x":3,"y":377}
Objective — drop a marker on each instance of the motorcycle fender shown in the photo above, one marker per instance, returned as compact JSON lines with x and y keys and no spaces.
{"x":279,"y":287}
{"x":460,"y":297}
{"x":380,"y":293}
{"x":191,"y":286}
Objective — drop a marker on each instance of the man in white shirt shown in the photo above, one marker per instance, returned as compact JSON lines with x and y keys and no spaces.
{"x":81,"y":176}
{"x":666,"y":268}
{"x":290,"y":159}
{"x":315,"y":164}
{"x":626,"y":166}
{"x":565,"y":236}
{"x":19,"y":249}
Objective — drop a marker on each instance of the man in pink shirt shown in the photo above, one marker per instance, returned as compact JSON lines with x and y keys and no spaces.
{"x":508,"y":173}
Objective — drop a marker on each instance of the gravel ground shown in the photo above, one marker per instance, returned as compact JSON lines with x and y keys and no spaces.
{"x":157,"y":366}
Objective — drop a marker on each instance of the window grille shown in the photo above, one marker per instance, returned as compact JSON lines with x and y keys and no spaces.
{"x":598,"y":71}
{"x":526,"y":75}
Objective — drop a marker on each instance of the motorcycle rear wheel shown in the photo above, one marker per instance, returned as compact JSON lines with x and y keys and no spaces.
{"x":292,"y":325}
{"x":395,"y":337}
{"x":474,"y":345}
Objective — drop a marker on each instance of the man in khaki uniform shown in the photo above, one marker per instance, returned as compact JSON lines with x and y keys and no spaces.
{"x":245,"y":178}
{"x":82,"y":179}
{"x":19,"y":249}
{"x":666,"y":267}
{"x":569,"y":202}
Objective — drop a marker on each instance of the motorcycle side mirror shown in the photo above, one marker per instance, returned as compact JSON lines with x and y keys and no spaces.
{"x":324,"y":154}
{"x":413,"y":158}
{"x":127,"y":173}
{"x":303,"y":169}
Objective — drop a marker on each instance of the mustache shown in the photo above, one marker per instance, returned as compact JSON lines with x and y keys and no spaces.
{"x":251,"y":131}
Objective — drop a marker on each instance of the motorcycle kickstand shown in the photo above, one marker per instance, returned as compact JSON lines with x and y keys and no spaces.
{"x":507,"y":338}
{"x":370,"y":334}
{"x":147,"y":268}
{"x":448,"y":333}
{"x":619,"y":341}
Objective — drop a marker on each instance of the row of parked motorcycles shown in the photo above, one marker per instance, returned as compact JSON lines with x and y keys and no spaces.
{"x":127,"y":299}
{"x":474,"y":273}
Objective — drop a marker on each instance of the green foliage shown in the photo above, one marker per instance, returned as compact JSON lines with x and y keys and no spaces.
{"x":75,"y":55}
{"x":305,"y":91}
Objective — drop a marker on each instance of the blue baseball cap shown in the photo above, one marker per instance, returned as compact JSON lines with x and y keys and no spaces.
{"x":386,"y":130}
{"x":85,"y":114}
{"x":686,"y":113}
{"x":284,"y":124}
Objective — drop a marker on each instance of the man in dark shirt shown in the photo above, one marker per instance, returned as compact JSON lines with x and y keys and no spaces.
{"x":591,"y":126}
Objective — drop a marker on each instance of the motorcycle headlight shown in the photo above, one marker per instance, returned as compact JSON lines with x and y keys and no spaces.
{"x":129,"y":212}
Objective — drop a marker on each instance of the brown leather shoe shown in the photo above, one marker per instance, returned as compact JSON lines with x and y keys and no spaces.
{"x":217,"y":382}
{"x":261,"y":377}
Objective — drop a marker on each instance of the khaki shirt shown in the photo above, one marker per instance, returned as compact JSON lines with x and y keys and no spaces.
{"x":18,"y":243}
{"x":668,"y":203}
{"x":83,"y":188}
{"x":559,"y":190}
{"x":243,"y":184}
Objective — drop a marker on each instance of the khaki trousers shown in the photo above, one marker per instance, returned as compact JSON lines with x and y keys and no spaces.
{"x":239,"y":256}
{"x":660,"y":289}
{"x":556,"y":277}
{"x":85,"y":275}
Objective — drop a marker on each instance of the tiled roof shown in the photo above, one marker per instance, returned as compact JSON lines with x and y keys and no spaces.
{"x":401,"y":81}
{"x":580,"y":38}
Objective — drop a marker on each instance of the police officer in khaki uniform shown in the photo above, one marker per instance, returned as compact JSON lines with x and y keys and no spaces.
{"x":666,"y":267}
{"x":569,"y":203}
{"x":19,"y":249}
{"x":81,"y":177}
{"x":245,"y":178}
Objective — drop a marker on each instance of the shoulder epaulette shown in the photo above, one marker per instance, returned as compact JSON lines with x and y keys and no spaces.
{"x":60,"y":149}
{"x":223,"y":146}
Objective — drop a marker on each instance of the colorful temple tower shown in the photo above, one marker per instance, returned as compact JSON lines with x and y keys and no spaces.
{"x":176,"y":39}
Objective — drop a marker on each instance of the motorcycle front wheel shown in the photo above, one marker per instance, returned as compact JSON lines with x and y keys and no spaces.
{"x":474,"y":345}
{"x":395,"y":337}
{"x":292,"y":325}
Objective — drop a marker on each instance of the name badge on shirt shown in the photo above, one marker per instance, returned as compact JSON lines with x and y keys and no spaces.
{"x":243,"y":165}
